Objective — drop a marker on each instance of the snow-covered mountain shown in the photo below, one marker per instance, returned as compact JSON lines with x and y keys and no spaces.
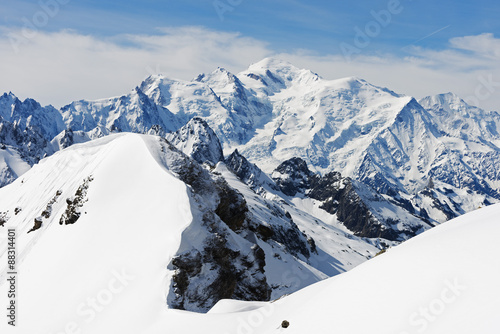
{"x":413,"y":163}
{"x":113,"y":202}
{"x":197,"y":140}
{"x":244,"y":186}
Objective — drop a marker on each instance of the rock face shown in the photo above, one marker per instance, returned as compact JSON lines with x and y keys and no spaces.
{"x":232,"y":274}
{"x":249,"y":173}
{"x":339,"y":196}
{"x":293,"y":176}
{"x":217,"y":268}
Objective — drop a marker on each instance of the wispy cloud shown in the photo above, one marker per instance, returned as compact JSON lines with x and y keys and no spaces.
{"x":485,"y":45}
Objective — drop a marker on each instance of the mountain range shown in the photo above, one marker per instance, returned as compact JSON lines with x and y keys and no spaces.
{"x":248,"y":186}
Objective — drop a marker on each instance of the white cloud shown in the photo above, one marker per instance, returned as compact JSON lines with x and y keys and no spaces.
{"x":60,"y":67}
{"x":426,"y":72}
{"x":57,"y":68}
{"x":485,"y":45}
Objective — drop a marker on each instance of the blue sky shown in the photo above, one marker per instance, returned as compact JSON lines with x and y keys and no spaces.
{"x":437,"y":42}
{"x":287,"y":24}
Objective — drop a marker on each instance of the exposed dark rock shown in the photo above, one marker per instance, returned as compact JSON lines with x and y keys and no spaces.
{"x":72,"y":213}
{"x":292,"y":176}
{"x":67,"y":139}
{"x":232,"y":275}
{"x":37,"y":225}
{"x":312,"y":244}
{"x":3,"y":218}
{"x":337,"y":194}
{"x":295,"y":241}
{"x":190,"y":172}
{"x":430,"y":184}
{"x":404,"y":203}
{"x":186,"y":265}
{"x":247,"y":172}
{"x":437,"y":204}
{"x":156,"y":130}
{"x":233,"y":209}
{"x":232,"y":206}
{"x":45,"y":213}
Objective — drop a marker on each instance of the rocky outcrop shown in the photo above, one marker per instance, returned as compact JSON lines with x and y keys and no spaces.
{"x":293,"y":176}
{"x":219,"y":270}
{"x":72,"y":213}
{"x":3,"y":218}
{"x":45,"y":213}
{"x":220,"y":267}
{"x":340,"y":197}
{"x":249,"y":173}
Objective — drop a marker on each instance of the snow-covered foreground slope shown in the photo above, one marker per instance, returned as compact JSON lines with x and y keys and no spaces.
{"x":442,"y":281}
{"x":117,"y":251}
{"x":126,"y":226}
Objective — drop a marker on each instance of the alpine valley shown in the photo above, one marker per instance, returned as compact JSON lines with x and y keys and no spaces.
{"x":246,"y":187}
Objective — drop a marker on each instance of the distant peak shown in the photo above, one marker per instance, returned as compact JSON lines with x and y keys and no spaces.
{"x":442,"y":99}
{"x":272,"y":63}
{"x":278,"y":73}
{"x":9,"y":95}
{"x":222,"y":70}
{"x":350,"y":83}
{"x":353,"y":80}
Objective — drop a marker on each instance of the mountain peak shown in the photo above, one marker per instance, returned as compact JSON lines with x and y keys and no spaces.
{"x":449,"y":103}
{"x":442,"y":99}
{"x":272,"y":63}
{"x":197,"y":140}
{"x":218,"y":78}
{"x":278,"y":74}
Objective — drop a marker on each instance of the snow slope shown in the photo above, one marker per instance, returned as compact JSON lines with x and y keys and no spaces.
{"x":442,"y":281}
{"x":123,"y":252}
